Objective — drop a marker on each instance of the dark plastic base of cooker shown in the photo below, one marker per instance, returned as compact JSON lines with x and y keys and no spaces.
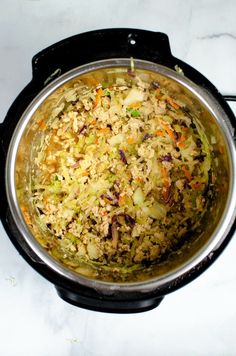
{"x":47,"y":65}
{"x":111,"y":306}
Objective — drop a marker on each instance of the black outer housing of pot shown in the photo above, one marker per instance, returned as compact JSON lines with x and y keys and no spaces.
{"x":49,"y":64}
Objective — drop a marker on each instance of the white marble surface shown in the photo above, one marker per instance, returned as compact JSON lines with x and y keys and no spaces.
{"x":199,"y":319}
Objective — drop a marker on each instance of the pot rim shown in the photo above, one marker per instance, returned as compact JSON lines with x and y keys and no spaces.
{"x":227,"y":218}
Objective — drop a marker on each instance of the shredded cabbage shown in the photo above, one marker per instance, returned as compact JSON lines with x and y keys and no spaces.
{"x":121,"y":176}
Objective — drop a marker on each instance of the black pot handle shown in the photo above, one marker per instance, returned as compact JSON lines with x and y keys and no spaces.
{"x":100,"y":44}
{"x":102,"y":304}
{"x":229,"y":97}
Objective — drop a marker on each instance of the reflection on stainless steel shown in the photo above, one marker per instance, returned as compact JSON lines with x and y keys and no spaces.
{"x":201,"y":104}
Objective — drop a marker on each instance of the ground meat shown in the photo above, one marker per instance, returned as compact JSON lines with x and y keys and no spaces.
{"x":114,"y":182}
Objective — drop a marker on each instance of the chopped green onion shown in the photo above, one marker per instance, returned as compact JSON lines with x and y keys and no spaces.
{"x":106,"y":92}
{"x":134,"y":112}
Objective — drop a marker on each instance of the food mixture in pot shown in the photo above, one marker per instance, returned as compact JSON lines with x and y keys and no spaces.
{"x":122,"y":175}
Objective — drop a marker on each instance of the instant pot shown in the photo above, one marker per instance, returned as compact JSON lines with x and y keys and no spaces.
{"x":87,"y":53}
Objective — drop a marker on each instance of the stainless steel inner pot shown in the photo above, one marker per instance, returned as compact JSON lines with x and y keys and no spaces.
{"x":215,"y":224}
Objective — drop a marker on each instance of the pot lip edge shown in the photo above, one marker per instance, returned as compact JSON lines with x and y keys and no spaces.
{"x":97,"y":284}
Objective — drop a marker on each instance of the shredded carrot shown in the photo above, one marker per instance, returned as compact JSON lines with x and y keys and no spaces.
{"x":172,"y":103}
{"x":170,"y":132}
{"x":26,"y":214}
{"x":130,"y":140}
{"x":122,"y":199}
{"x":184,"y":128}
{"x":85,"y":174}
{"x":27,"y":218}
{"x":104,"y":213}
{"x":181,"y":141}
{"x":164,"y":173}
{"x":23,"y":208}
{"x":139,"y":179}
{"x":196,"y":186}
{"x":93,"y":122}
{"x":98,"y":97}
{"x":187,"y":173}
{"x":104,"y":129}
{"x":135,"y":105}
{"x":160,"y":133}
{"x":42,"y":124}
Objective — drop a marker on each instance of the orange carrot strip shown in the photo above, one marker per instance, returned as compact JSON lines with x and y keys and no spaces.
{"x":135,"y":105}
{"x":187,"y":173}
{"x":159,"y":133}
{"x":23,"y":208}
{"x":196,"y":186}
{"x":130,"y":140}
{"x":27,"y":218}
{"x":104,"y":129}
{"x":26,"y":214}
{"x":122,"y":200}
{"x":139,"y":179}
{"x":181,"y":141}
{"x":42,"y":124}
{"x":164,"y":173}
{"x":172,"y":103}
{"x":98,"y":97}
{"x":170,"y":132}
{"x":85,"y":174}
{"x":104,"y":213}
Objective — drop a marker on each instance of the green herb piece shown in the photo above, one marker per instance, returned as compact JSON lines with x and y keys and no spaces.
{"x":106,"y":92}
{"x":134,"y":112}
